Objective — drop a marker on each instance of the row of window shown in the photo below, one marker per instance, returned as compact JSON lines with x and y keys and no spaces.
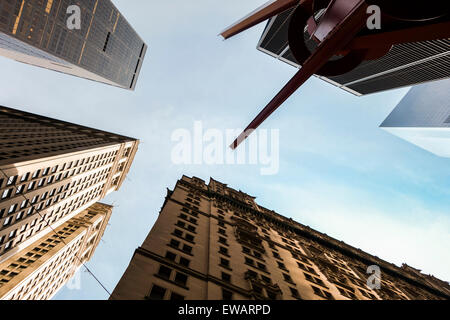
{"x":65,"y":166}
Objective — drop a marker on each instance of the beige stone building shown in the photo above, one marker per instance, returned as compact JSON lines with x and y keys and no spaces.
{"x":51,"y":171}
{"x":40,"y":270}
{"x":211,"y":242}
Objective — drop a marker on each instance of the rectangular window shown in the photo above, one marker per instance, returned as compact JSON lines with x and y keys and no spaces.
{"x":184,"y":262}
{"x":287,"y":277}
{"x":227,"y":295}
{"x":187,"y":248}
{"x":170,"y":255}
{"x":189,"y":237}
{"x":157,"y":293}
{"x":164,"y":272}
{"x":226,"y":277}
{"x":294,"y":292}
{"x":174,"y":243}
{"x":224,"y":262}
{"x":176,"y":297}
{"x":181,"y":279}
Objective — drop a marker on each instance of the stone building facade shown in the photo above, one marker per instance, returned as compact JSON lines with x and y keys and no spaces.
{"x":51,"y":170}
{"x":211,"y":242}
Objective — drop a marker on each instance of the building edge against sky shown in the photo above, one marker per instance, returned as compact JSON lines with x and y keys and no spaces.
{"x":211,"y":242}
{"x":52,"y":170}
{"x":38,"y":271}
{"x":423,"y":117}
{"x":105,"y":48}
{"x":405,"y":65}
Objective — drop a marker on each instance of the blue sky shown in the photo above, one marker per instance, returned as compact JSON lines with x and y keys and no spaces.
{"x":339,"y":173}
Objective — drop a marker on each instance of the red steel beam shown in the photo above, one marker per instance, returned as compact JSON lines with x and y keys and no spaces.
{"x":336,"y":40}
{"x":264,"y":12}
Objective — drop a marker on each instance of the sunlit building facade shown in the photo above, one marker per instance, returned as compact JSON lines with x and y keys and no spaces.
{"x":211,"y":242}
{"x":38,"y":271}
{"x":105,"y":48}
{"x":50,"y":171}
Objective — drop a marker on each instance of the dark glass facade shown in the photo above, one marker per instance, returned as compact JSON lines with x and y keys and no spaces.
{"x":405,"y":65}
{"x":104,"y":49}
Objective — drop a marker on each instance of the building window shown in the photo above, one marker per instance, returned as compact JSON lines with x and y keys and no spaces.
{"x":223,"y":250}
{"x":287,"y":278}
{"x":223,"y":240}
{"x":181,"y":279}
{"x":226,"y":277}
{"x":170,"y":255}
{"x":157,"y":293}
{"x":257,"y":289}
{"x":184,"y":262}
{"x":224,"y":263}
{"x":294,"y":292}
{"x":174,"y":243}
{"x":227,"y":295}
{"x":187,"y":248}
{"x":281,"y":265}
{"x":261,"y":266}
{"x":272,"y":295}
{"x":322,"y":293}
{"x":314,"y":279}
{"x":6,"y":193}
{"x":346,"y":293}
{"x":176,"y":297}
{"x":249,"y":261}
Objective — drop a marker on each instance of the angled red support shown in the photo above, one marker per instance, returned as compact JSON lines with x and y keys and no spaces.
{"x":264,"y":12}
{"x":338,"y":38}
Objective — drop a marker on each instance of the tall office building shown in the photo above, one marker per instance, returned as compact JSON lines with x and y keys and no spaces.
{"x":211,"y":242}
{"x":105,"y":48}
{"x":405,"y":65}
{"x":423,"y":117}
{"x":50,"y":171}
{"x":41,"y":269}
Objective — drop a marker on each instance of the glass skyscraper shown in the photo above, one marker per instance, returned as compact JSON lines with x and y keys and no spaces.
{"x":423,"y":117}
{"x":105,"y":48}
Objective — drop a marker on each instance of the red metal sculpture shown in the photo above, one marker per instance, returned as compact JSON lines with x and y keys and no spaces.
{"x":343,"y":40}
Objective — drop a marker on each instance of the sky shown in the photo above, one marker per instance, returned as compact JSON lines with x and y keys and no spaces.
{"x":339,"y":173}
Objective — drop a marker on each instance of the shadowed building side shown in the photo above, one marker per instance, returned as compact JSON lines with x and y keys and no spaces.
{"x":105,"y":49}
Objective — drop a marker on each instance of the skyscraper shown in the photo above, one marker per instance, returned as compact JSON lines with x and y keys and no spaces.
{"x":423,"y":117}
{"x":211,"y":242}
{"x":105,"y":48}
{"x":405,"y":65}
{"x":50,"y":171}
{"x":38,"y":271}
